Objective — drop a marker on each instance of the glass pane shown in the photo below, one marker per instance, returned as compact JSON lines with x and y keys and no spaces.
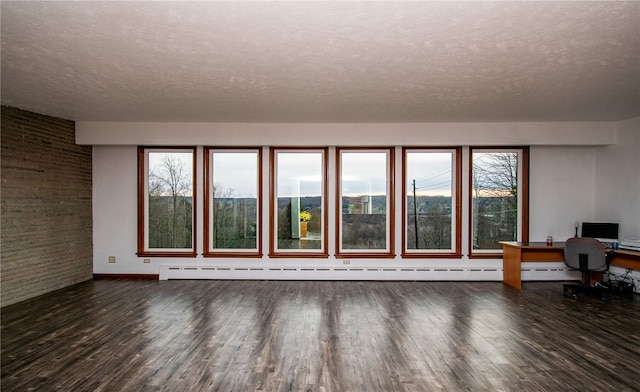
{"x":234,"y":200}
{"x":430,"y":209}
{"x":299,"y":198}
{"x":364,"y":199}
{"x":170,"y":203}
{"x":494,"y":198}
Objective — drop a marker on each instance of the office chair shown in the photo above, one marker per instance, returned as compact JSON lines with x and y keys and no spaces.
{"x":587,"y":255}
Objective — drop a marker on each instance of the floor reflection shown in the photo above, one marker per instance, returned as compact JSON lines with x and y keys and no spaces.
{"x":317,"y":336}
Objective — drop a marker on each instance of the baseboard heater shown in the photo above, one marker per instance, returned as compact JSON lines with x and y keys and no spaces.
{"x":328,"y":273}
{"x":557,"y":271}
{"x":467,"y":273}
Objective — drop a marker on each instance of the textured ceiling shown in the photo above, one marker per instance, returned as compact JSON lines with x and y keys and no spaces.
{"x":322,"y":61}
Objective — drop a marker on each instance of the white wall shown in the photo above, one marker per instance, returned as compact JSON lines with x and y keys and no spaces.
{"x":617,"y":195}
{"x":403,"y":134}
{"x":115,"y":211}
{"x":563,"y":183}
{"x":561,"y":190}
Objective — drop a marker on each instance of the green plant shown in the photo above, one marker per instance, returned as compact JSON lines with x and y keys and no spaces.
{"x":305,"y":216}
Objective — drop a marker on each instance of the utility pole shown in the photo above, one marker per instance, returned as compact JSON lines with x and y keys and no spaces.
{"x":415,"y":212}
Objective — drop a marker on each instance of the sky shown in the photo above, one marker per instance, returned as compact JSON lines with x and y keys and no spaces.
{"x":236,"y":172}
{"x":362,"y":173}
{"x":179,"y":160}
{"x":432,"y":172}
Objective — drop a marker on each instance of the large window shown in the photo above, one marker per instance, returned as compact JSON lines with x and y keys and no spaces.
{"x":431,"y":202}
{"x":232,"y":202}
{"x":166,"y":201}
{"x":365,"y":202}
{"x":298,"y":202}
{"x":498,"y":190}
{"x":361,"y":204}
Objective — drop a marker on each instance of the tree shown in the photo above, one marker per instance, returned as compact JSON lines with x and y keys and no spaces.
{"x":495,"y":204}
{"x":234,"y":220}
{"x":433,"y":221}
{"x":439,"y":237}
{"x":170,"y":206}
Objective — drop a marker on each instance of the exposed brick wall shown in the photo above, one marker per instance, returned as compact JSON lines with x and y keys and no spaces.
{"x":46,"y":217}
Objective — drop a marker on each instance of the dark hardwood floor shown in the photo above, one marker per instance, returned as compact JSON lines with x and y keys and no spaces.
{"x":119,"y":335}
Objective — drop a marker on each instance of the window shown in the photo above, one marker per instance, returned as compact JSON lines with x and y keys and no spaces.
{"x":232,"y":202}
{"x":166,"y":201}
{"x":431,"y":202}
{"x":365,"y":202}
{"x":298,"y":203}
{"x":498,"y":189}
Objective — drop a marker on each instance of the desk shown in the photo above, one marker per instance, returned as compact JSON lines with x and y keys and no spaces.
{"x":515,"y":253}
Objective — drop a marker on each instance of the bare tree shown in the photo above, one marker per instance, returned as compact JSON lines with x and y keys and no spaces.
{"x":496,"y":175}
{"x":173,"y":222}
{"x":223,"y":215}
{"x":433,"y":221}
{"x":495,"y":189}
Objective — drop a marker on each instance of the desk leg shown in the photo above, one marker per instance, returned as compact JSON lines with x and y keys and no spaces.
{"x":511,"y":266}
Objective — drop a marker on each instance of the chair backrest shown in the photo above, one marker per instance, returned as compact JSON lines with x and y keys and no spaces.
{"x":585,"y":254}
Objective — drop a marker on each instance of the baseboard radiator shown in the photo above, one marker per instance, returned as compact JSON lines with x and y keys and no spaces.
{"x":555,"y":271}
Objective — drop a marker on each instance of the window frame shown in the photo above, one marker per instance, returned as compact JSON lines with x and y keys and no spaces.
{"x":323,"y":252}
{"x":143,"y":186}
{"x":523,"y":202}
{"x":208,"y":184}
{"x":456,"y":197}
{"x":389,"y":252}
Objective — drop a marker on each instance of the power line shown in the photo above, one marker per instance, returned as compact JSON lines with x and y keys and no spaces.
{"x":436,"y":185}
{"x":436,"y":175}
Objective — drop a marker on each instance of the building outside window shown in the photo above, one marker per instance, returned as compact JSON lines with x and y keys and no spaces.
{"x":298,"y":202}
{"x":365,"y":202}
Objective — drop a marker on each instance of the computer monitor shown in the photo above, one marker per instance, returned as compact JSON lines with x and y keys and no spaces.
{"x":605,"y":232}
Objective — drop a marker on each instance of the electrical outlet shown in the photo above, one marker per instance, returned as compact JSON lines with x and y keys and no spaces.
{"x":112,"y":259}
{"x":346,"y":262}
{"x":147,"y":261}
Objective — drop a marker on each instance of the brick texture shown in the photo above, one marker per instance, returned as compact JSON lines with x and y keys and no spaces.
{"x":46,"y":216}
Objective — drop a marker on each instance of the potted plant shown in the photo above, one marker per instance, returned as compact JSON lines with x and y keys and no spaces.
{"x":305,"y":217}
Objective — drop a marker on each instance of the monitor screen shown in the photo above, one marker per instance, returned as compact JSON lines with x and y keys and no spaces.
{"x":601,"y":231}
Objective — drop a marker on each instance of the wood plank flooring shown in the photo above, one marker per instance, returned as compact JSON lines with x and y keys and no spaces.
{"x":120,"y":335}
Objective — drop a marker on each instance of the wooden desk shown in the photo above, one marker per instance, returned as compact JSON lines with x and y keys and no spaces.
{"x":515,"y":253}
{"x":625,"y":259}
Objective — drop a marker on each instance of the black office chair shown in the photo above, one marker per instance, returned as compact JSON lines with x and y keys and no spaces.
{"x":587,"y":255}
